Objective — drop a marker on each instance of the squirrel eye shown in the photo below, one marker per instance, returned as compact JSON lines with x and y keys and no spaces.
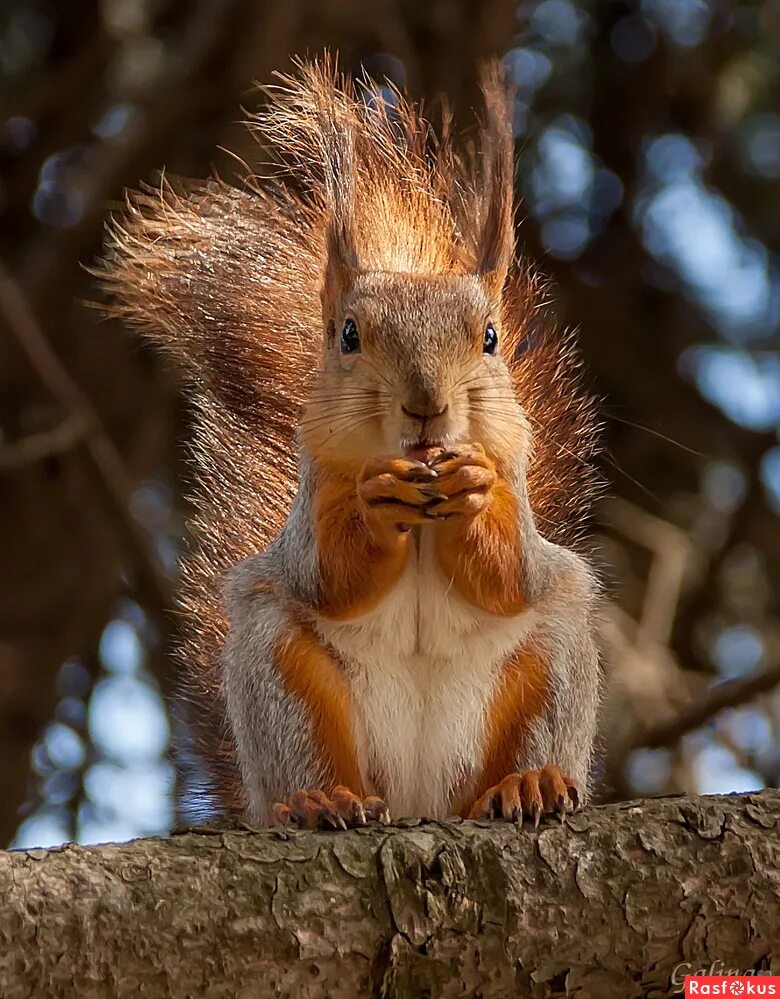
{"x":350,"y":339}
{"x":490,"y":341}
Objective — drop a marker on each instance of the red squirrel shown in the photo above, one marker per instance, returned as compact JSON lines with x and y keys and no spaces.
{"x":392,"y":448}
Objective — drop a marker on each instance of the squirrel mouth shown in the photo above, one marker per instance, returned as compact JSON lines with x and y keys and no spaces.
{"x":424,"y":451}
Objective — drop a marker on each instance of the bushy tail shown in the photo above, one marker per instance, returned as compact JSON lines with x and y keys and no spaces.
{"x":229,"y":280}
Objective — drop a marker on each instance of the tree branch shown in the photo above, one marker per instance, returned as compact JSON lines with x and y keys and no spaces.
{"x":729,"y":694}
{"x":612,"y":905}
{"x":45,"y":444}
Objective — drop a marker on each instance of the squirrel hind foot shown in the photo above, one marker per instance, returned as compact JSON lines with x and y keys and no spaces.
{"x":530,"y":794}
{"x":341,"y":809}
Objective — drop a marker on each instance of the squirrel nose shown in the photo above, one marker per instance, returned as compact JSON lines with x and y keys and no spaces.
{"x":427,"y":413}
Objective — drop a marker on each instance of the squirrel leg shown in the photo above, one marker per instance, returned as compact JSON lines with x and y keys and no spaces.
{"x":313,"y":676}
{"x":531,"y":794}
{"x":536,"y":746}
{"x":340,"y":810}
{"x":361,"y":529}
{"x":478,"y":531}
{"x":290,"y":709}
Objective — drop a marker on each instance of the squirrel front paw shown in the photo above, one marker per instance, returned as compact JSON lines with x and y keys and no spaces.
{"x":395,"y":492}
{"x":341,"y":810}
{"x":530,"y":794}
{"x":464,"y":482}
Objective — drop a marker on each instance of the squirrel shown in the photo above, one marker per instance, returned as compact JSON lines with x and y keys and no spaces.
{"x":387,"y":611}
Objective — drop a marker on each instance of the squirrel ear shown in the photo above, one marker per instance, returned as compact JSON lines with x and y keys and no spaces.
{"x":340,"y":267}
{"x":495,"y":246}
{"x":341,"y":262}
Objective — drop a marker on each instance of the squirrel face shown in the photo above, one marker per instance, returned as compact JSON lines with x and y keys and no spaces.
{"x":413,"y":360}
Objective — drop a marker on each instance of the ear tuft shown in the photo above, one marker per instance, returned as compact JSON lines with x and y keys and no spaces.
{"x":337,"y":140}
{"x":495,"y":197}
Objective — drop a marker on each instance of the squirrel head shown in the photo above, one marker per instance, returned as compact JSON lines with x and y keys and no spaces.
{"x":412,"y":361}
{"x":416,"y":260}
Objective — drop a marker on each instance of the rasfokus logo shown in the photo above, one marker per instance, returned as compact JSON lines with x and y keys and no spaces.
{"x":716,"y":973}
{"x":732,"y":985}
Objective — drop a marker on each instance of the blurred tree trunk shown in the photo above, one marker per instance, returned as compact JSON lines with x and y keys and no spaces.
{"x":612,"y":905}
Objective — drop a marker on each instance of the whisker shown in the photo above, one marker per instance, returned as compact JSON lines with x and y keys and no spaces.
{"x":336,"y":404}
{"x":380,"y":374}
{"x":336,"y":438}
{"x":339,"y":418}
{"x":466,"y":375}
{"x":562,"y":447}
{"x":611,"y":460}
{"x":353,"y":409}
{"x":656,"y":433}
{"x":353,"y":406}
{"x":480,"y":400}
{"x":507,"y":411}
{"x":648,"y":492}
{"x":483,"y":387}
{"x":348,"y":396}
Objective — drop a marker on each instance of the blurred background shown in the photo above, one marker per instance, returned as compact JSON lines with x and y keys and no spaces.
{"x":648,"y":142}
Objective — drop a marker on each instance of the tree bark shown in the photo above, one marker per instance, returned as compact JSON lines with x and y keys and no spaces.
{"x":620,"y":901}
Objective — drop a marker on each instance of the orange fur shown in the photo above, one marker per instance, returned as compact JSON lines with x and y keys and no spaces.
{"x":312,"y":674}
{"x":357,"y":566}
{"x":519,"y":698}
{"x":482,"y":556}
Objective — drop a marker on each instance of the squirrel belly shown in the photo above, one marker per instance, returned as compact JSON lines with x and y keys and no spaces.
{"x":423,"y":668}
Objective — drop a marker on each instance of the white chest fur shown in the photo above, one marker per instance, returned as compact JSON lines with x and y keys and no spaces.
{"x":422,"y":667}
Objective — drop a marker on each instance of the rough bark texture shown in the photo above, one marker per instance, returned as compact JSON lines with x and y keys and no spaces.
{"x":606,"y":906}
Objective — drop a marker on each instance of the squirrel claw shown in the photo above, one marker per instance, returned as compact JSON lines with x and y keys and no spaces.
{"x":376,"y":810}
{"x":421,"y":474}
{"x":430,"y":514}
{"x":530,"y":794}
{"x":341,"y":810}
